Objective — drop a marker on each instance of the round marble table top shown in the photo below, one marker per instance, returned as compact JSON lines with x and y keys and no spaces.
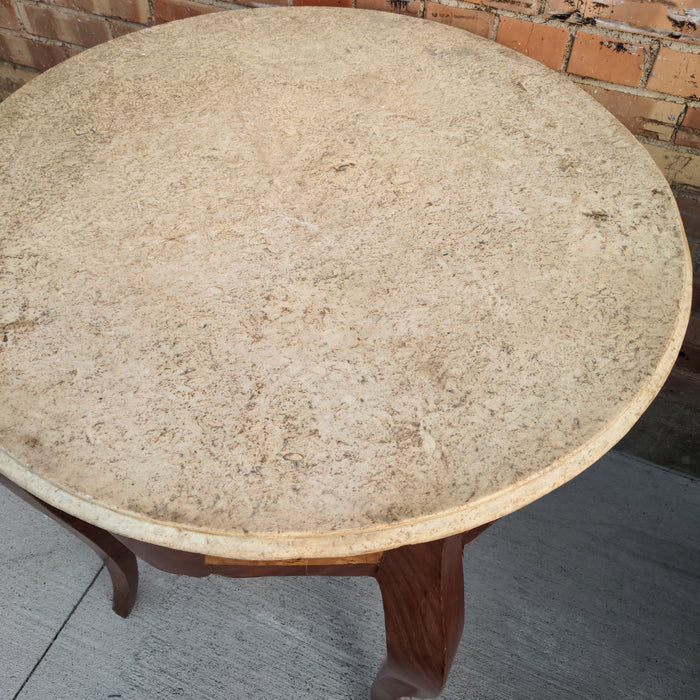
{"x":307,"y":282}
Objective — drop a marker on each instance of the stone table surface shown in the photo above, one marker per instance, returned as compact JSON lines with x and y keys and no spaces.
{"x":308,"y":282}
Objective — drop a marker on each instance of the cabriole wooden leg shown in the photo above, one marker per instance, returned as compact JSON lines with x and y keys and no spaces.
{"x":120,"y":561}
{"x":121,"y":564}
{"x":423,"y":593}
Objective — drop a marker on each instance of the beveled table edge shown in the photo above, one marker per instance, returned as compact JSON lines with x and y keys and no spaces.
{"x":338,"y":543}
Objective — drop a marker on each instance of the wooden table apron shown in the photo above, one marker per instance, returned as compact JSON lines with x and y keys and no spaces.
{"x":311,"y":291}
{"x":422,"y":588}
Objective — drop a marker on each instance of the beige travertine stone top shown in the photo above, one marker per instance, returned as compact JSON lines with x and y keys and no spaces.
{"x":308,"y":282}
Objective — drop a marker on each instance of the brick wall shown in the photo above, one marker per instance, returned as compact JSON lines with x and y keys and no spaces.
{"x":639,"y":58}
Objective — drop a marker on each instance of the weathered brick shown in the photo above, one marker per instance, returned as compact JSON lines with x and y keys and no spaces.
{"x":689,"y":132}
{"x":677,"y":73}
{"x":645,"y":116}
{"x":53,"y":23}
{"x":238,"y":4}
{"x":403,"y":7}
{"x":687,"y":170}
{"x":679,"y":19}
{"x":679,"y":168}
{"x":169,"y":10}
{"x":13,"y":77}
{"x":562,"y":9}
{"x":474,"y":21}
{"x":524,"y":7}
{"x":692,"y":118}
{"x":607,"y":59}
{"x":131,"y":10}
{"x":28,"y":52}
{"x":542,"y":42}
{"x":8,"y":16}
{"x":119,"y":28}
{"x":681,"y":16}
{"x":323,"y":3}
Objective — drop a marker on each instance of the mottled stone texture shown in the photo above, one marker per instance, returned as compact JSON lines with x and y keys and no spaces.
{"x":639,"y":58}
{"x":273,"y":288}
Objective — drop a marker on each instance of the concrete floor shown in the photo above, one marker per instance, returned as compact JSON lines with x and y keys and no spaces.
{"x":591,"y":592}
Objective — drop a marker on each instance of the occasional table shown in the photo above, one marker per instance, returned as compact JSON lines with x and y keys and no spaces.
{"x":310,"y":291}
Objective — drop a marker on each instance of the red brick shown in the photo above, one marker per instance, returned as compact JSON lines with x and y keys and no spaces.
{"x":8,"y":16}
{"x":645,"y":116}
{"x":323,"y":3}
{"x":13,"y":77}
{"x":402,"y":7}
{"x":53,"y":23}
{"x":558,"y":8}
{"x":677,"y":73}
{"x":169,"y":10}
{"x":524,"y":7}
{"x":542,"y":42}
{"x":654,"y":17}
{"x":27,"y":52}
{"x":119,"y":28}
{"x":607,"y":59}
{"x":649,"y":14}
{"x":257,"y":3}
{"x":692,"y":118}
{"x":689,"y":133}
{"x":132,"y":10}
{"x":474,"y":21}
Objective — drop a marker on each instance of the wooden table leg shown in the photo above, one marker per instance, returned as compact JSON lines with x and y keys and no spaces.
{"x":422,"y":589}
{"x":120,"y":561}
